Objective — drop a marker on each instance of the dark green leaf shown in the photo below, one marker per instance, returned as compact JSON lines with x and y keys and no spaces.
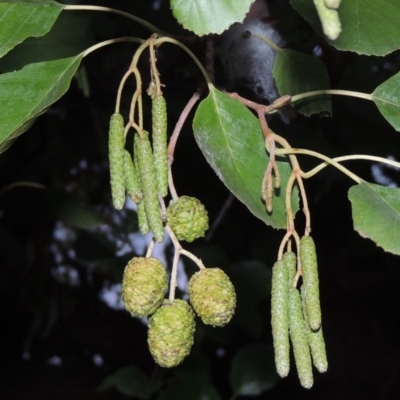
{"x":132,"y":382}
{"x":368,"y":26}
{"x":251,"y":279}
{"x":376,"y":214}
{"x":209,"y":16}
{"x":69,"y":36}
{"x":21,"y":19}
{"x":95,"y":248}
{"x":28,"y":92}
{"x":253,"y":370}
{"x":231,"y":140}
{"x":387,"y":98}
{"x":192,"y":383}
{"x":297,"y":73}
{"x":72,"y":211}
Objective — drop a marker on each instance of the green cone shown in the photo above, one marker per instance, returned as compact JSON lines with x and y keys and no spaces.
{"x":212,"y":296}
{"x":187,"y":218}
{"x":143,"y":286}
{"x":170,"y":334}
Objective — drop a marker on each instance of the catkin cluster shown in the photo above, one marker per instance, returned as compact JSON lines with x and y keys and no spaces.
{"x":145,"y":177}
{"x":296,"y":315}
{"x":172,"y":322}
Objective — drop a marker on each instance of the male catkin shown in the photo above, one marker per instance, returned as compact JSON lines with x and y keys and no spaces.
{"x":308,"y":258}
{"x":280,"y":317}
{"x":159,"y":137}
{"x":141,"y":212}
{"x":132,"y":183}
{"x":290,"y":261}
{"x":315,"y":340}
{"x":298,"y":336}
{"x":149,"y":186}
{"x":116,"y":143}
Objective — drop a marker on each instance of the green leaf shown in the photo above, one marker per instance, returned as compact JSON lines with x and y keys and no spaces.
{"x":69,"y":36}
{"x":368,"y":26}
{"x":297,"y":73}
{"x":253,"y":370}
{"x":387,"y":98}
{"x":209,"y":16}
{"x":230,"y":137}
{"x":376,"y":214}
{"x":28,"y":92}
{"x":131,"y":381}
{"x":192,"y":382}
{"x":22,"y":19}
{"x":72,"y":211}
{"x":252,"y":282}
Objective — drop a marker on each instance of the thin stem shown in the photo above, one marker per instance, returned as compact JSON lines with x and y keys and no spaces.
{"x":195,"y":259}
{"x":155,"y":77}
{"x":111,"y":41}
{"x":171,"y":185}
{"x":266,"y":40}
{"x":140,"y":21}
{"x":351,"y":157}
{"x":302,"y":96}
{"x":179,"y":249}
{"x":190,"y":53}
{"x":174,"y":275}
{"x":306,"y":210}
{"x":174,"y":138}
{"x":328,"y":160}
{"x":288,"y":201}
{"x":137,"y":98}
{"x":150,"y":248}
{"x":22,"y":184}
{"x":120,"y":88}
{"x":210,"y":57}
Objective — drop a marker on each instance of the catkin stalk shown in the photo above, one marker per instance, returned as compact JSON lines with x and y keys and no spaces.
{"x":159,"y":138}
{"x":116,"y":143}
{"x":308,"y":258}
{"x":280,"y":317}
{"x":149,"y":186}
{"x":298,"y":336}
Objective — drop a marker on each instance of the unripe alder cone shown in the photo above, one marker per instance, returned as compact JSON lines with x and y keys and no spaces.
{"x":212,"y":296}
{"x":143,"y":286}
{"x":170,"y":334}
{"x":187,"y":218}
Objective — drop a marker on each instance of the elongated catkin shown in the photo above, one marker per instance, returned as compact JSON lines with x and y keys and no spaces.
{"x":159,"y":139}
{"x":308,"y":258}
{"x":315,"y":340}
{"x":149,"y":186}
{"x":280,"y":317}
{"x":132,"y":183}
{"x":298,"y":336}
{"x":290,"y":260}
{"x":141,"y":212}
{"x":116,"y":143}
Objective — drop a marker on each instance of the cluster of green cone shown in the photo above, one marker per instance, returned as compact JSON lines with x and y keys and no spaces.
{"x":297,"y":314}
{"x":188,"y":218}
{"x":171,"y":322}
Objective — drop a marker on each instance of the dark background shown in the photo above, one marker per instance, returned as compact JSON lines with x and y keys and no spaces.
{"x":49,"y":311}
